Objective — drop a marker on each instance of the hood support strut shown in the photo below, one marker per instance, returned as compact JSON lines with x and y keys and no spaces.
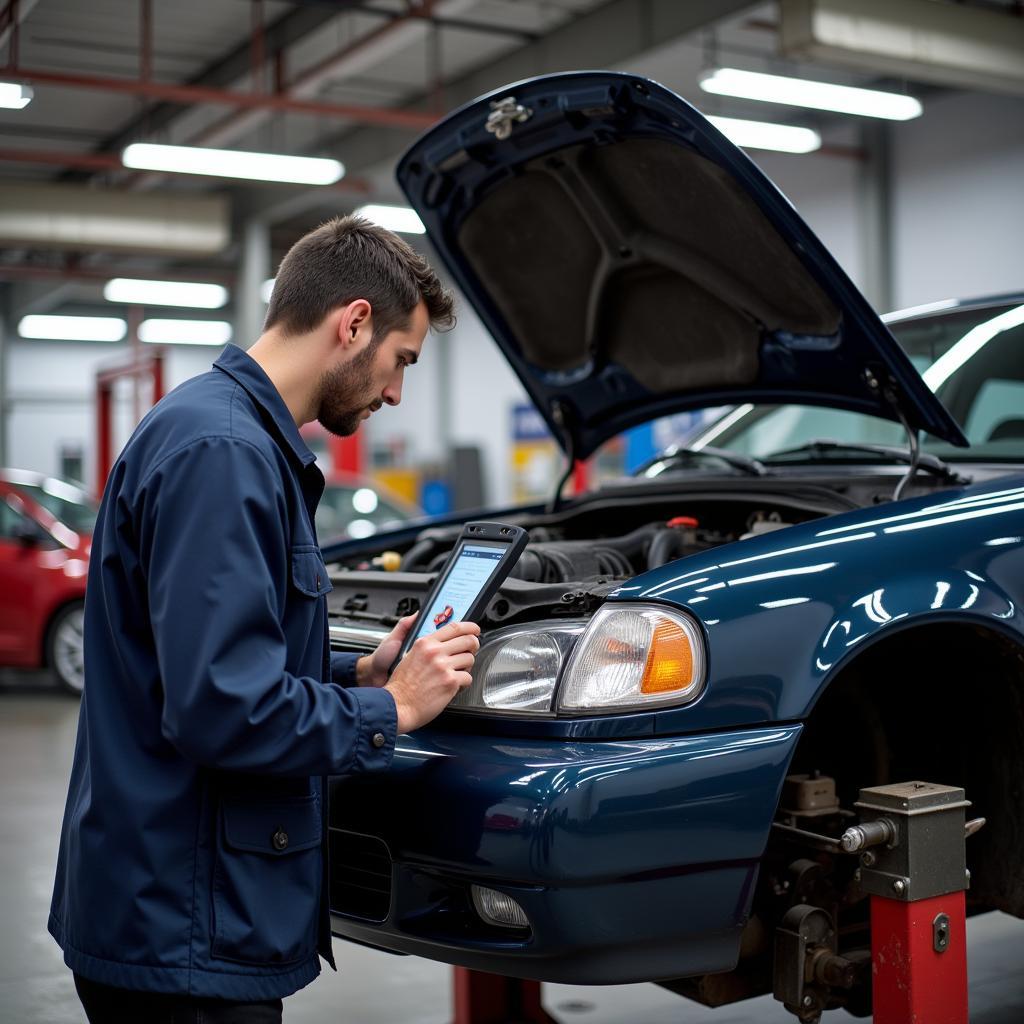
{"x":559,"y":414}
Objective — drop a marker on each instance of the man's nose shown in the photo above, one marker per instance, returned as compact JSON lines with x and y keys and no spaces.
{"x":392,"y":394}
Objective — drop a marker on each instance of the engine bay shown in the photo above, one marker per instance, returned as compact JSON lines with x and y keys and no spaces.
{"x":574,"y":559}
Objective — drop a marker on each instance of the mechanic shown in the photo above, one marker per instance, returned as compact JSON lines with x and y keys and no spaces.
{"x":192,"y":875}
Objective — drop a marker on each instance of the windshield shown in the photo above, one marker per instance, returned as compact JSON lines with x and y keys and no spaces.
{"x":63,"y":502}
{"x":973,"y":359}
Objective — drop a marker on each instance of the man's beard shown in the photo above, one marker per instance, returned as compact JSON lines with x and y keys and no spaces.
{"x":346,"y":392}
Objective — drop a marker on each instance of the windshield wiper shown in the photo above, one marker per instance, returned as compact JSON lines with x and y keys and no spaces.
{"x":682,"y":456}
{"x":825,"y":446}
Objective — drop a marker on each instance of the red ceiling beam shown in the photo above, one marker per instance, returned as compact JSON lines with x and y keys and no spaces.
{"x":193,"y":94}
{"x":112,"y":162}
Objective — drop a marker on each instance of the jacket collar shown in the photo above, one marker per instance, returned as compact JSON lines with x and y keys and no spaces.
{"x":239,"y":365}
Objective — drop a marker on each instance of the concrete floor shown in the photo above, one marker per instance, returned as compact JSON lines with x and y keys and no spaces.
{"x":37,"y":733}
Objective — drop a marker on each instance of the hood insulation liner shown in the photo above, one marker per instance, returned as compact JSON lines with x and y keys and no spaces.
{"x":633,"y":253}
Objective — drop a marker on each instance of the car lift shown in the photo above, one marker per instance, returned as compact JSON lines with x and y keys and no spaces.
{"x":913,"y":866}
{"x":910,"y":842}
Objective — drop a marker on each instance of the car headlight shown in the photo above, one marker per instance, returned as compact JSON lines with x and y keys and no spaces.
{"x":626,"y":658}
{"x":517,"y":669}
{"x":634,"y":656}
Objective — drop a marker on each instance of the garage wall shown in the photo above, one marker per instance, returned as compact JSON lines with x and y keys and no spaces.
{"x":959,"y":199}
{"x":51,"y":397}
{"x":825,"y":192}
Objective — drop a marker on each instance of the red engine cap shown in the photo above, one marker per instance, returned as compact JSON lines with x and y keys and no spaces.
{"x":683,"y":521}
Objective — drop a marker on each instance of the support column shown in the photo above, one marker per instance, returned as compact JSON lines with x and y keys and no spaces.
{"x":5,"y":329}
{"x":254,"y":270}
{"x":875,"y":202}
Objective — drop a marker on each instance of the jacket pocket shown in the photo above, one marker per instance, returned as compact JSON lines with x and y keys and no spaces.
{"x":266,"y":881}
{"x":309,"y":574}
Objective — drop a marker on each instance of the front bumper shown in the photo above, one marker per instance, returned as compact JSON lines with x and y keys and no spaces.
{"x":634,"y":860}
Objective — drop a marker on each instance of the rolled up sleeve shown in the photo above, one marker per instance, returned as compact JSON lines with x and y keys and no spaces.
{"x":215,"y":552}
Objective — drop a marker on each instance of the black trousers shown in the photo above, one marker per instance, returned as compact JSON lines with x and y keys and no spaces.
{"x":106,"y":1005}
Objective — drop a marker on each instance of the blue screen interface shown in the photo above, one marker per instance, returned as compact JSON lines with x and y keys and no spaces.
{"x":472,"y":568}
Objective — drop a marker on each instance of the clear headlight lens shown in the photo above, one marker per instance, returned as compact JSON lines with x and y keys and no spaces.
{"x":634,"y":656}
{"x":517,"y":669}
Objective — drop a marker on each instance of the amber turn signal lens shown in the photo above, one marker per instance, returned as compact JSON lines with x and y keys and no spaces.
{"x":669,"y":660}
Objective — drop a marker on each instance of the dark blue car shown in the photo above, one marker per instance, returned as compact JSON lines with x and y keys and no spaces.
{"x":692,"y":668}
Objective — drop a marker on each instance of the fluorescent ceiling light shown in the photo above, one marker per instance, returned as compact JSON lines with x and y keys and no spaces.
{"x":394,"y":218}
{"x":185,"y":332}
{"x":785,"y":138}
{"x":165,"y":293}
{"x":232,"y":163}
{"x":72,"y":328}
{"x":15,"y":96}
{"x":799,"y":92}
{"x":266,"y":290}
{"x":969,"y":345}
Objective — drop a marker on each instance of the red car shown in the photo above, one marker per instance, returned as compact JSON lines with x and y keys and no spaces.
{"x":443,"y":617}
{"x":45,"y":536}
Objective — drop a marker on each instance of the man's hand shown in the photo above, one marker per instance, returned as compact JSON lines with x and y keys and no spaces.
{"x":372,"y":670}
{"x":434,"y":670}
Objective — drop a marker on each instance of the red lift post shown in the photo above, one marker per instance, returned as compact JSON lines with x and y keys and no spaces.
{"x":142,"y":366}
{"x":914,"y":868}
{"x":482,"y":998}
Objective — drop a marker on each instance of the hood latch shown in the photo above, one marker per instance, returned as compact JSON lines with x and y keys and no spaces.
{"x":504,"y":113}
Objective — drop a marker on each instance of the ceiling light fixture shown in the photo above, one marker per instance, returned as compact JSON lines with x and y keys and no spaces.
{"x":799,"y":92}
{"x":402,"y":219}
{"x":233,"y":163}
{"x":185,"y":332}
{"x":72,"y":328}
{"x":15,"y":96}
{"x":784,"y":138}
{"x":192,"y":294}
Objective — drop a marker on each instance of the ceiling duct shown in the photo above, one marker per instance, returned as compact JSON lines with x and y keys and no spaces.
{"x":77,"y":217}
{"x":922,"y":40}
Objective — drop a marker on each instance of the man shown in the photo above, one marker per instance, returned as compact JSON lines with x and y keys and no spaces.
{"x":191,"y":881}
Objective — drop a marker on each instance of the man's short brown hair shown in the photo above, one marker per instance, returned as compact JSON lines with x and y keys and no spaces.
{"x":351,"y":258}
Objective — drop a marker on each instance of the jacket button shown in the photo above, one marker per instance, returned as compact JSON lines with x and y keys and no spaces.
{"x":378,"y":740}
{"x":280,"y":839}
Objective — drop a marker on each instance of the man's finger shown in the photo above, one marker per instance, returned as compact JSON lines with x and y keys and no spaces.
{"x":461,"y":662}
{"x":467,"y":642}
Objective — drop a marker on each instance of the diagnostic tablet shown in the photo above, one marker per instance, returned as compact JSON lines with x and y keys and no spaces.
{"x":481,"y":559}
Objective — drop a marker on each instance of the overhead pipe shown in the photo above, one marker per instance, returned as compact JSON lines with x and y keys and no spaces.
{"x":196,"y":94}
{"x":308,"y":81}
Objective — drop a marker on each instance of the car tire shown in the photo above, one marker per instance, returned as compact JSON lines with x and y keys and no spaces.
{"x":65,"y":648}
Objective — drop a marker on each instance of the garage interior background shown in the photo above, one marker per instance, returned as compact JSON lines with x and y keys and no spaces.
{"x":916,"y":211}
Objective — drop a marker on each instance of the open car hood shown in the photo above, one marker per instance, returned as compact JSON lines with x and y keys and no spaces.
{"x":631,"y":262}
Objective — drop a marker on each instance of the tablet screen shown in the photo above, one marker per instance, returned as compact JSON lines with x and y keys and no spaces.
{"x":473,"y":567}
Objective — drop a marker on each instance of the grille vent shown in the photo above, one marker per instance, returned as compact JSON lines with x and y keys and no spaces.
{"x":360,"y":875}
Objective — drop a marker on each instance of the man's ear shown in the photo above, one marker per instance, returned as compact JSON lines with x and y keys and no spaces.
{"x":355,"y":326}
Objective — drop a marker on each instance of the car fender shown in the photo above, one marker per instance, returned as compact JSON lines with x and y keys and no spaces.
{"x":782,"y":613}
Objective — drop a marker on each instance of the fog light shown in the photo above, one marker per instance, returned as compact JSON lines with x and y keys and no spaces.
{"x":497,"y":908}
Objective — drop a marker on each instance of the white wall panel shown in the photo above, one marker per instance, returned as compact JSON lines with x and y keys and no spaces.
{"x":51,"y":387}
{"x":959,"y":199}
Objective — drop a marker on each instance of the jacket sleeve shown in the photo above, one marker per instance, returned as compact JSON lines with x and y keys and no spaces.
{"x":343,"y":668}
{"x":216,"y":553}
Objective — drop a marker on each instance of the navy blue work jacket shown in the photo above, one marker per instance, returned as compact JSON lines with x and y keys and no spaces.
{"x":193,"y":853}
